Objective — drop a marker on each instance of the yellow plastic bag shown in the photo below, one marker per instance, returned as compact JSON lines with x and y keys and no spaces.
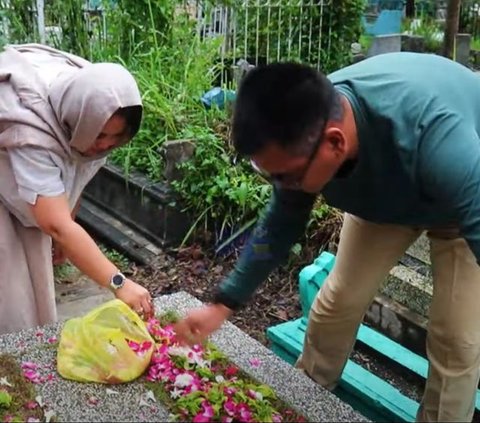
{"x":99,"y":347}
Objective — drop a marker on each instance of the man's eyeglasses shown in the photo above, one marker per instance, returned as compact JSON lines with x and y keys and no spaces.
{"x":293,"y":180}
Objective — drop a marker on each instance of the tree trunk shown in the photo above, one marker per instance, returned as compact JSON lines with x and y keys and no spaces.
{"x":410,"y":9}
{"x":451,"y":27}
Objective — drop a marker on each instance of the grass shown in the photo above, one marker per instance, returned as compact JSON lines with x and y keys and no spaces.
{"x":475,"y":44}
{"x":21,"y":393}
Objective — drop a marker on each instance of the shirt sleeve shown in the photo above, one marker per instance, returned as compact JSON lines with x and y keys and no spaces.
{"x":283,"y":223}
{"x":449,"y":169}
{"x":35,"y":173}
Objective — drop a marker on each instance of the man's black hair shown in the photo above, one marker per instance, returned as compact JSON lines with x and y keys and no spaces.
{"x":280,"y":102}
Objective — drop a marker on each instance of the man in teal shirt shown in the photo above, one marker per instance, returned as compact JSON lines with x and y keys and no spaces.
{"x":394,"y":142}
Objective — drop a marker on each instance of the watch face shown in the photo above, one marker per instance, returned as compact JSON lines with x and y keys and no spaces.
{"x":117,"y":280}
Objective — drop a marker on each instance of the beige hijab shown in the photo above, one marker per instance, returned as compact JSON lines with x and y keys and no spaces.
{"x":58,"y":101}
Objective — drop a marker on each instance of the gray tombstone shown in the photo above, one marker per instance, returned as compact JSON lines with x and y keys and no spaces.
{"x":462,"y":51}
{"x":393,"y":43}
{"x":176,"y":152}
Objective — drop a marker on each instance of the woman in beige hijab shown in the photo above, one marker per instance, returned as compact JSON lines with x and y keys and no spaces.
{"x":60,"y":115}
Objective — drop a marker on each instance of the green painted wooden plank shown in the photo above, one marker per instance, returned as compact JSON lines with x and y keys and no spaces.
{"x":393,"y":350}
{"x":378,"y":393}
{"x":288,"y":341}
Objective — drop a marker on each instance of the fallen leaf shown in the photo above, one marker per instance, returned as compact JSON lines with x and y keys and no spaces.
{"x":282,"y":314}
{"x":4,"y":381}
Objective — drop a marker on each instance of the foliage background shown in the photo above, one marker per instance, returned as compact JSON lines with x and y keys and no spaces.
{"x":158,"y":41}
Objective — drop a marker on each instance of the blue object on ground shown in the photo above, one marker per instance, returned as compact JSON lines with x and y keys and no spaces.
{"x":219,"y":97}
{"x":388,"y":22}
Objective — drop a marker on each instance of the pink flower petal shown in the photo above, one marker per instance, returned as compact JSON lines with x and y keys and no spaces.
{"x":32,"y":376}
{"x":29,"y":365}
{"x":31,"y":405}
{"x":39,"y":333}
{"x":52,"y":340}
{"x":231,"y":371}
{"x":200,"y":418}
{"x":255,"y":362}
{"x":229,"y":407}
{"x":93,"y":401}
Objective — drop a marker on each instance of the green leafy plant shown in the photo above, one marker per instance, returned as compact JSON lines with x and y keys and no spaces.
{"x":5,"y":399}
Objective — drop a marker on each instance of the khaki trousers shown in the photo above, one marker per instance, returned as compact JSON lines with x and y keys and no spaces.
{"x":366,"y":253}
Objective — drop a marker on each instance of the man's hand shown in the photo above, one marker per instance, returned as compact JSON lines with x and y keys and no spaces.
{"x":58,"y":254}
{"x":137,"y":297}
{"x":200,"y":323}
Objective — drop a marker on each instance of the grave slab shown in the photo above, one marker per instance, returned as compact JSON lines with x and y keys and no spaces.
{"x":69,"y":400}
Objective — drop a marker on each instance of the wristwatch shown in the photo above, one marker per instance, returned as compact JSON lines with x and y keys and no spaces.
{"x":117,"y":281}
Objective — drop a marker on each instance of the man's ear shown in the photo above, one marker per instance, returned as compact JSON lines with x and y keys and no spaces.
{"x":335,"y":142}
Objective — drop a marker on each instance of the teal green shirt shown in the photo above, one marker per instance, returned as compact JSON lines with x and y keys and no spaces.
{"x":418,"y":124}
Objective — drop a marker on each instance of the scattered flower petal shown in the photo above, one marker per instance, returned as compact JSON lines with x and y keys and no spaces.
{"x":277,"y":418}
{"x":176,"y":393}
{"x":31,"y":405}
{"x":4,"y":382}
{"x":200,"y":418}
{"x":183,"y":380}
{"x":29,"y":365}
{"x":149,"y":395}
{"x":33,"y":420}
{"x":49,"y":415}
{"x":143,"y":403}
{"x":93,"y":401}
{"x":39,"y":401}
{"x":255,"y":362}
{"x":52,"y":340}
{"x":231,"y":371}
{"x":109,"y":391}
{"x":230,"y":407}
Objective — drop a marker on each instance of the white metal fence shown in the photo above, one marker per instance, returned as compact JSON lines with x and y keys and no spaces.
{"x":260,"y":31}
{"x":253,"y":31}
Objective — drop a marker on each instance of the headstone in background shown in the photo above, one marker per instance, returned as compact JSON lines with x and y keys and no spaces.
{"x":175,"y":153}
{"x":393,"y":43}
{"x":462,"y":48}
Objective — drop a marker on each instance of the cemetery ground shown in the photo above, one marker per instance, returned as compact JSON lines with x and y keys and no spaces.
{"x":197,"y":271}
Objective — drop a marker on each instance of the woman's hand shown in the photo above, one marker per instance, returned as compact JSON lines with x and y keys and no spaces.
{"x":53,"y":217}
{"x":58,"y":254}
{"x":137,"y":297}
